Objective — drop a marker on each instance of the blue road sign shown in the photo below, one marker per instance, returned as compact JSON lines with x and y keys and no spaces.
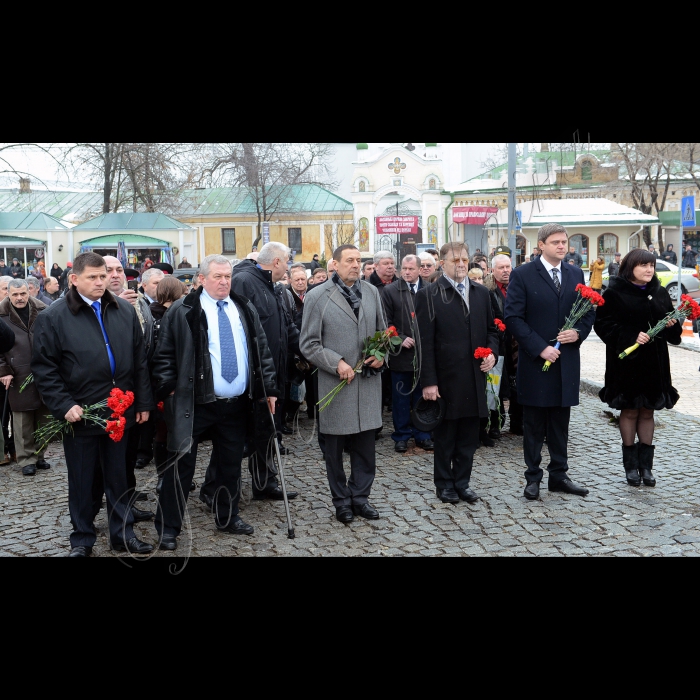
{"x":518,"y":220}
{"x":688,"y":211}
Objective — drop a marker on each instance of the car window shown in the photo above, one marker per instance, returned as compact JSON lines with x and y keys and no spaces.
{"x":660,"y":267}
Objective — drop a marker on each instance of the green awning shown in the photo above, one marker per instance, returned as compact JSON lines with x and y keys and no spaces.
{"x":673,"y":218}
{"x":129,"y":241}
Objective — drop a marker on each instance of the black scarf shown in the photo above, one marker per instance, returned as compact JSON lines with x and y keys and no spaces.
{"x":352,"y":295}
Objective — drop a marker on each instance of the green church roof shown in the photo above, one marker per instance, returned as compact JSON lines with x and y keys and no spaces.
{"x":131,"y":222}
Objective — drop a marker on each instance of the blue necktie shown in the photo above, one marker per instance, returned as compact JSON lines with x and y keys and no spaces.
{"x":229,"y":360}
{"x":460,"y":286}
{"x":96,"y":306}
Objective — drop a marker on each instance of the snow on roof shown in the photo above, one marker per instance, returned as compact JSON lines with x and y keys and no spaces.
{"x":580,"y":212}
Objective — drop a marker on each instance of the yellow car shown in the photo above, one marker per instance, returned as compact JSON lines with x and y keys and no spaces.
{"x":668,"y":276}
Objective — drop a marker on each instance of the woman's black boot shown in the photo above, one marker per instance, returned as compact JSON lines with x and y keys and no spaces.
{"x":646,"y":462}
{"x":630,"y":462}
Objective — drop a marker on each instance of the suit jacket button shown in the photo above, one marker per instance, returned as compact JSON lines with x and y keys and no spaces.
{"x":187,"y":415}
{"x":190,"y":378}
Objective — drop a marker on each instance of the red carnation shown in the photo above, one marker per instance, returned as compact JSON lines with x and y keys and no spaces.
{"x":115,"y":428}
{"x":499,"y":324}
{"x":119,"y":401}
{"x":392,"y":331}
{"x":161,"y":406}
{"x":482,"y":353}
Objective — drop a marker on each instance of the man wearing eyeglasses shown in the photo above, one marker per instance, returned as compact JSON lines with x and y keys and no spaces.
{"x":427,"y":267}
{"x":454,"y":319}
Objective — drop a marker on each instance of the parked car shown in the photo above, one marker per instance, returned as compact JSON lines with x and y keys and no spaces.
{"x":668,"y":276}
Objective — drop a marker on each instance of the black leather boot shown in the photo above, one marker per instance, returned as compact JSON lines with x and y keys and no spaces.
{"x":495,"y":430}
{"x":630,"y":462}
{"x":646,"y":462}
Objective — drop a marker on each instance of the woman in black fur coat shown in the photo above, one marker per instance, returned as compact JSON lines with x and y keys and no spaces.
{"x":640,"y":383}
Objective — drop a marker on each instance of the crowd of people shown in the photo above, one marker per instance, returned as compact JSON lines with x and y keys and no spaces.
{"x":234,"y":357}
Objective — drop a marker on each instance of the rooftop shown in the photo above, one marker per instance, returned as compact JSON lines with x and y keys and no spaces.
{"x":131,"y":222}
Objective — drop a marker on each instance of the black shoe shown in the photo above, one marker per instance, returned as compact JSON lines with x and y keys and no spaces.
{"x":532,"y":491}
{"x":141,"y":462}
{"x":168,"y":542}
{"x":80,"y":551}
{"x":646,"y":462}
{"x":630,"y":463}
{"x":193,"y":486}
{"x":141,"y":515}
{"x":287,"y":431}
{"x":568,"y":486}
{"x":238,"y":527}
{"x":273,"y":494}
{"x":485,"y":440}
{"x":134,"y":545}
{"x":425,"y":444}
{"x":448,"y":495}
{"x":366,"y":511}
{"x":283,"y":449}
{"x":377,"y":433}
{"x":495,"y":434}
{"x":207,"y":500}
{"x":140,"y":495}
{"x":29,"y":470}
{"x":401,"y":446}
{"x":246,"y":452}
{"x":159,"y":485}
{"x":467,"y":495}
{"x":344,"y":514}
{"x":42,"y":464}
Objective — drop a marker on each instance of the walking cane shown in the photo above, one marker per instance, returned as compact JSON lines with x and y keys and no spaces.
{"x":290,"y":528}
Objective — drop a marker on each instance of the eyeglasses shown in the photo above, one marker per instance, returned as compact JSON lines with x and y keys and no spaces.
{"x":427,"y":266}
{"x":457,"y":260}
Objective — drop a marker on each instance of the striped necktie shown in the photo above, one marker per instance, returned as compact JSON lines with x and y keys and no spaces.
{"x":229,"y":360}
{"x":555,"y":279}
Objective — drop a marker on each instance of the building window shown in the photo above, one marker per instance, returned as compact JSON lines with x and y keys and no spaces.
{"x":586,"y":170}
{"x":580,"y":244}
{"x":431,"y":184}
{"x":607,"y":247}
{"x":294,"y":239}
{"x":228,"y":241}
{"x":362,"y":186}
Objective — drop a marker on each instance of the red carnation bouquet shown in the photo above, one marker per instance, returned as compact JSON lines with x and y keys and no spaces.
{"x":377,"y":345}
{"x":118,"y":401}
{"x":586,"y":299}
{"x":688,"y":308}
{"x":499,"y":324}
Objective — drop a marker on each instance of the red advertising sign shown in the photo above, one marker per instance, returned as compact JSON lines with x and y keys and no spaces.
{"x":397,"y":224}
{"x":476,"y":216}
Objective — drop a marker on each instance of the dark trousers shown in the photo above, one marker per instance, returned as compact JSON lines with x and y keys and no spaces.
{"x":554,"y":423}
{"x":146,"y":432}
{"x":356,"y":489}
{"x":402,"y":401}
{"x":6,"y":421}
{"x":90,"y":458}
{"x":456,"y":441}
{"x":311,"y":383}
{"x":227,"y":422}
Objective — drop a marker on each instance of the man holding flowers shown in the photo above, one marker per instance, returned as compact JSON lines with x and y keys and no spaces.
{"x":84,"y":348}
{"x":540,"y":297}
{"x":338,"y":318}
{"x":455,"y":321}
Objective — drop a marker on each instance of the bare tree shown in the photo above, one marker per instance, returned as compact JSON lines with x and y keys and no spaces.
{"x":268,"y":171}
{"x":647,"y":177}
{"x":8,"y":150}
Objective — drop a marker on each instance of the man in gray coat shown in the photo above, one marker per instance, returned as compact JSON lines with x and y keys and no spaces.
{"x":338,"y":316}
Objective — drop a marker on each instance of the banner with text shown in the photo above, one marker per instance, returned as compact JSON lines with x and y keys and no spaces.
{"x":476,"y":216}
{"x":397,"y":224}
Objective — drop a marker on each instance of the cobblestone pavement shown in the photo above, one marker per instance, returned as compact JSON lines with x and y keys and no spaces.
{"x":615,"y":519}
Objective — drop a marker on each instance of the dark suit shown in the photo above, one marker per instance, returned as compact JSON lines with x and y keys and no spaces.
{"x":534,"y":313}
{"x":399,"y":307}
{"x":449,"y":334}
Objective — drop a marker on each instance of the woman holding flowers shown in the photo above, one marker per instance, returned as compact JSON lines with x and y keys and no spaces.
{"x":639,"y":383}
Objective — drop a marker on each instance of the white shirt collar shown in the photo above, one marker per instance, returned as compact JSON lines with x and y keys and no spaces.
{"x":90,"y":302}
{"x":549,"y":267}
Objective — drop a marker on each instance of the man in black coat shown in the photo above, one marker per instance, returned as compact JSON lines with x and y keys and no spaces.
{"x":614,"y":267}
{"x":256,"y":281}
{"x":16,"y":269}
{"x":4,"y":269}
{"x":399,"y":300}
{"x":384,"y":270}
{"x":689,"y":257}
{"x":540,"y":297}
{"x":455,"y":318}
{"x":211,"y":366}
{"x":499,"y":280}
{"x":84,"y":346}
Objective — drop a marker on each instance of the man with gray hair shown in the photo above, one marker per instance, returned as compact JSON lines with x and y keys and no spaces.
{"x":211,"y":366}
{"x":52,"y":289}
{"x":3,"y":285}
{"x":384,"y":270}
{"x":149,"y":283}
{"x":256,"y":281}
{"x":20,"y":310}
